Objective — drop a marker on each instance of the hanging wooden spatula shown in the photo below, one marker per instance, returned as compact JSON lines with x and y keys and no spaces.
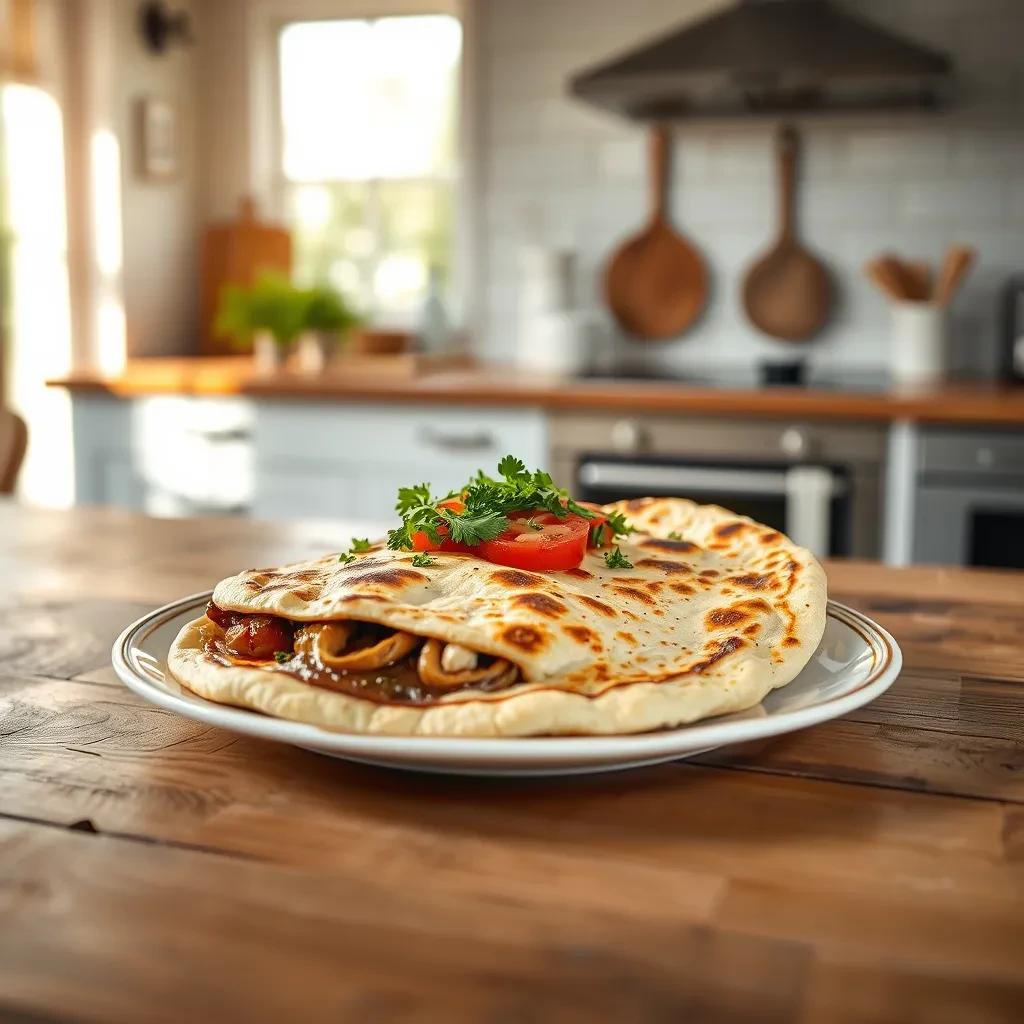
{"x":656,"y":282}
{"x":787,"y":293}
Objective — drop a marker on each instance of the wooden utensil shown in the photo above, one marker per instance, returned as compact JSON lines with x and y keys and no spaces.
{"x":885,"y":273}
{"x":656,"y":283}
{"x":959,"y":259}
{"x":787,"y":293}
{"x":235,"y":252}
{"x":919,"y":277}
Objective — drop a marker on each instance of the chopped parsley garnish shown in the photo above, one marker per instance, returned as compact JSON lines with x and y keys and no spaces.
{"x":615,"y":559}
{"x":486,"y":504}
{"x":346,"y":558}
{"x":617,"y":521}
{"x":675,"y":535}
{"x":360,"y":544}
{"x":421,"y":560}
{"x":533,"y":524}
{"x":282,"y":656}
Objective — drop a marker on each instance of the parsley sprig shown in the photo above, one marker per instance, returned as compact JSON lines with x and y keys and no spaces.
{"x":615,"y":559}
{"x":487,"y":503}
{"x":359,"y":546}
{"x":421,"y":560}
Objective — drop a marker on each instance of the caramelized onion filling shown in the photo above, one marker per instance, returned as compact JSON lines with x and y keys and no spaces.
{"x":359,"y":658}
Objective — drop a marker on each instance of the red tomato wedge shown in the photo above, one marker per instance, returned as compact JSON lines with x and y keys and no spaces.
{"x":597,"y":538}
{"x":421,"y":542}
{"x":540,"y":541}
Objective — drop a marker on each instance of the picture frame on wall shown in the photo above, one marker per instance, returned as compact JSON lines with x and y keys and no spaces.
{"x":158,"y":139}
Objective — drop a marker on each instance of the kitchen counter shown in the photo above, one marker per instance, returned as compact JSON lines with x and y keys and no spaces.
{"x":155,"y":868}
{"x":965,"y":404}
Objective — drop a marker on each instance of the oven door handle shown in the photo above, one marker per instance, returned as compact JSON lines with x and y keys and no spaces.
{"x":684,"y":480}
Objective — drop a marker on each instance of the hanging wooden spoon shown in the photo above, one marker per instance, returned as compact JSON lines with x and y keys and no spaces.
{"x":656,"y":283}
{"x":787,"y":292}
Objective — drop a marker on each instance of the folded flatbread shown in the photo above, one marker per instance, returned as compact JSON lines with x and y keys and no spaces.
{"x":699,"y":626}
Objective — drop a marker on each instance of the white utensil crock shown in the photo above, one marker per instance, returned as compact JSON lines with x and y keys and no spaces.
{"x":917,"y":352}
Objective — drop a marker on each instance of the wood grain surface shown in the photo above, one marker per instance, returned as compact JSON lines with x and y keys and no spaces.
{"x":950,"y":403}
{"x":156,"y":869}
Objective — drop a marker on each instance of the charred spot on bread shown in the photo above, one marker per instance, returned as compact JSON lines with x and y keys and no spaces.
{"x":632,"y":594}
{"x":526,"y":638}
{"x":731,"y":529}
{"x":681,"y":546}
{"x":598,"y":606}
{"x":754,"y":581}
{"x":666,"y":566}
{"x":579,"y":574}
{"x":393,"y":576}
{"x":540,"y":603}
{"x":716,"y":650}
{"x":722,"y":618}
{"x":516,"y":578}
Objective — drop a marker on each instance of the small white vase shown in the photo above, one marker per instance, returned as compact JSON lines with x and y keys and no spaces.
{"x":266,"y":353}
{"x":918,"y":342}
{"x":310,"y":353}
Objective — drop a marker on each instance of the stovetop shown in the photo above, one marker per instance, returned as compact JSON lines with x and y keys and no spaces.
{"x":875,"y":382}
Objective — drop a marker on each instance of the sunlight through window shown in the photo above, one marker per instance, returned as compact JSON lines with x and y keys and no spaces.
{"x":369,"y":154}
{"x":40,"y":343}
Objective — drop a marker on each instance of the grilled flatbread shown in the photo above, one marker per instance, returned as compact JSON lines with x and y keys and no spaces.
{"x":701,"y":626}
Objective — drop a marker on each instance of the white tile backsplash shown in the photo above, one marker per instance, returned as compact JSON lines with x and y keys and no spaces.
{"x":558,"y":172}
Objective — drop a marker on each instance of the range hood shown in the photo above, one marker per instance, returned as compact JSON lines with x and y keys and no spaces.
{"x":769,"y":57}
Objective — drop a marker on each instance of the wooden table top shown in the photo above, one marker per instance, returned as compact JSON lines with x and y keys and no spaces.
{"x":152,"y":868}
{"x":947,"y":403}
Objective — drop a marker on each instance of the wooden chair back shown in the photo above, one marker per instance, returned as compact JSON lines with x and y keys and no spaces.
{"x":13,"y":442}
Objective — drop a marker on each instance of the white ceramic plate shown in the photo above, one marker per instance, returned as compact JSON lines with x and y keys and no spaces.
{"x":855,"y":662}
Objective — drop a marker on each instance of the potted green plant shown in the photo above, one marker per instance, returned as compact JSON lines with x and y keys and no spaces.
{"x":328,"y":319}
{"x":269,"y":314}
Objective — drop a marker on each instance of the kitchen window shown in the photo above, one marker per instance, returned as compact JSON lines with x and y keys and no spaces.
{"x":369,"y":156}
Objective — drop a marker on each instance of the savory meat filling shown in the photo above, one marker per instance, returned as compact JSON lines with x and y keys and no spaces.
{"x":362,"y":659}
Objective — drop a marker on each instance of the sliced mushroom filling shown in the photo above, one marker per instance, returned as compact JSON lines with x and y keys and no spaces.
{"x":434,"y":671}
{"x":362,"y":651}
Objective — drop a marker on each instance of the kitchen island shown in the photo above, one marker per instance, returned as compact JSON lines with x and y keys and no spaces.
{"x":155,"y":868}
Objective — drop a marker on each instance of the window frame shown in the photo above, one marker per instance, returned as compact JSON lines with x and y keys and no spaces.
{"x":269,"y":18}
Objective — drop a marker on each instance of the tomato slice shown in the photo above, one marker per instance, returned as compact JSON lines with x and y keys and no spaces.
{"x":540,"y":541}
{"x":421,"y":542}
{"x":599,"y":537}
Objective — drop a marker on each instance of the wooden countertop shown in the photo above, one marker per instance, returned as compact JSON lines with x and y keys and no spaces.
{"x":152,"y":868}
{"x":966,"y":404}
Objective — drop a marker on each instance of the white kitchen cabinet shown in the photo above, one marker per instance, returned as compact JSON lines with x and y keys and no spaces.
{"x":166,"y":455}
{"x":325,"y":460}
{"x":187,"y":455}
{"x":105,"y":471}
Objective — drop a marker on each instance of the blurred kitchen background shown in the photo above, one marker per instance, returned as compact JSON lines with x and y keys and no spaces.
{"x":279,"y":257}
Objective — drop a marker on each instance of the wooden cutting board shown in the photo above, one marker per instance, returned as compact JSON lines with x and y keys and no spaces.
{"x":656,"y":282}
{"x":236,"y":252}
{"x":787,"y":293}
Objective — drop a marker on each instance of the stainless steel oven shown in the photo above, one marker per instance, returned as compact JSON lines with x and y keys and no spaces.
{"x":969,"y":498}
{"x":817,"y":483}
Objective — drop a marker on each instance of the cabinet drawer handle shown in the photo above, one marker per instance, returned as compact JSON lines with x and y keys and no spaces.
{"x":222,"y":436}
{"x":480,"y":441}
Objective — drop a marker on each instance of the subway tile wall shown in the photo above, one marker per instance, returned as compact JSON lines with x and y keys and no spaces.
{"x":557,"y":172}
